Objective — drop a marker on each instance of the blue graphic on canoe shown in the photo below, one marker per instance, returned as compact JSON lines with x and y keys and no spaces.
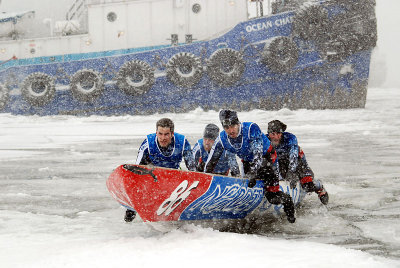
{"x":232,"y":199}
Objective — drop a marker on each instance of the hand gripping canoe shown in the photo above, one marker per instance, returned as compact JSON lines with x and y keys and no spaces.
{"x":140,"y":171}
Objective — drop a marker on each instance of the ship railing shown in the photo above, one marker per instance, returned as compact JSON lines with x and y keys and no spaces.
{"x":95,"y":2}
{"x":76,"y":10}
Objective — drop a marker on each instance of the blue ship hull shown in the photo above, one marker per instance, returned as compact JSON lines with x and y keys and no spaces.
{"x":259,"y":64}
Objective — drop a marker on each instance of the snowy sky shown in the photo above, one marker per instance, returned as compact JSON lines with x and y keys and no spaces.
{"x":388,"y":40}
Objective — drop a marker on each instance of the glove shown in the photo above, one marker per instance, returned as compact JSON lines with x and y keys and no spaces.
{"x":200,"y":167}
{"x":309,"y":187}
{"x":252,"y":180}
{"x":252,"y":183}
{"x":292,"y":178}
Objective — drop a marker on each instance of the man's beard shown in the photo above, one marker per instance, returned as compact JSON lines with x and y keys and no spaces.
{"x":275,"y":143}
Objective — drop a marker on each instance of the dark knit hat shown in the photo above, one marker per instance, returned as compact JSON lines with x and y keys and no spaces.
{"x":276,"y":126}
{"x":211,"y":132}
{"x":228,"y":118}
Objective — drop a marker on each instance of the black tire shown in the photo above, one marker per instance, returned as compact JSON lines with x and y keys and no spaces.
{"x":350,"y":32}
{"x":184,"y":70}
{"x":87,"y":85}
{"x":280,"y":54}
{"x":38,"y":89}
{"x":226,"y":66}
{"x":135,"y":77}
{"x":311,"y":23}
{"x":338,"y":48}
{"x":356,"y":6}
{"x":4,"y":95}
{"x":368,"y":36}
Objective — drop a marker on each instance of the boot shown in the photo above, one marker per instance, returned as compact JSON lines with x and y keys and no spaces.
{"x":284,"y":199}
{"x":129,"y":215}
{"x":321,"y":192}
{"x":323,"y":195}
{"x":288,"y":207}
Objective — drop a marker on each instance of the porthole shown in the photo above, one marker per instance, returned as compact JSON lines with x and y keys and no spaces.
{"x":111,"y":16}
{"x":196,"y":8}
{"x":33,"y":51}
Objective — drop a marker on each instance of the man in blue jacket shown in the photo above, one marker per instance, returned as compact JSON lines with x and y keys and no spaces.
{"x":293,"y":165}
{"x":258,"y":156}
{"x":165,"y":148}
{"x":202,"y":148}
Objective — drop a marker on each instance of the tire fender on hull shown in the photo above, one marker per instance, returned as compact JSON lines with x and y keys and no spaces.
{"x":4,"y":95}
{"x":87,"y":85}
{"x":184,"y":69}
{"x":226,"y":66}
{"x":311,"y":22}
{"x":280,"y":54}
{"x":135,"y":77}
{"x":38,"y":89}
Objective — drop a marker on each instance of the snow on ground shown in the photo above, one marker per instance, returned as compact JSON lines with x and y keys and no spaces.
{"x":55,"y":210}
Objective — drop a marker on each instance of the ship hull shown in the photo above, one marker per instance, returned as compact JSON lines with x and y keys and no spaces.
{"x":237,"y":70}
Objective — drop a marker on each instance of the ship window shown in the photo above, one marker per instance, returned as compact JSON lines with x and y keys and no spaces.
{"x":33,"y":51}
{"x":196,"y":8}
{"x":111,"y":16}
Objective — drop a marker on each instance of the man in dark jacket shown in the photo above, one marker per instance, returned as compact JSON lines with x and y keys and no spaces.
{"x":293,"y":165}
{"x":258,"y":156}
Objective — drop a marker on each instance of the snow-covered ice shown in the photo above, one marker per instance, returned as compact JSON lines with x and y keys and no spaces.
{"x":55,"y":209}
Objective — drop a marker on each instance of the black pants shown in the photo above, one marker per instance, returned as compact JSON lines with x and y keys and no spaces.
{"x":267,"y":172}
{"x":270,"y":176}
